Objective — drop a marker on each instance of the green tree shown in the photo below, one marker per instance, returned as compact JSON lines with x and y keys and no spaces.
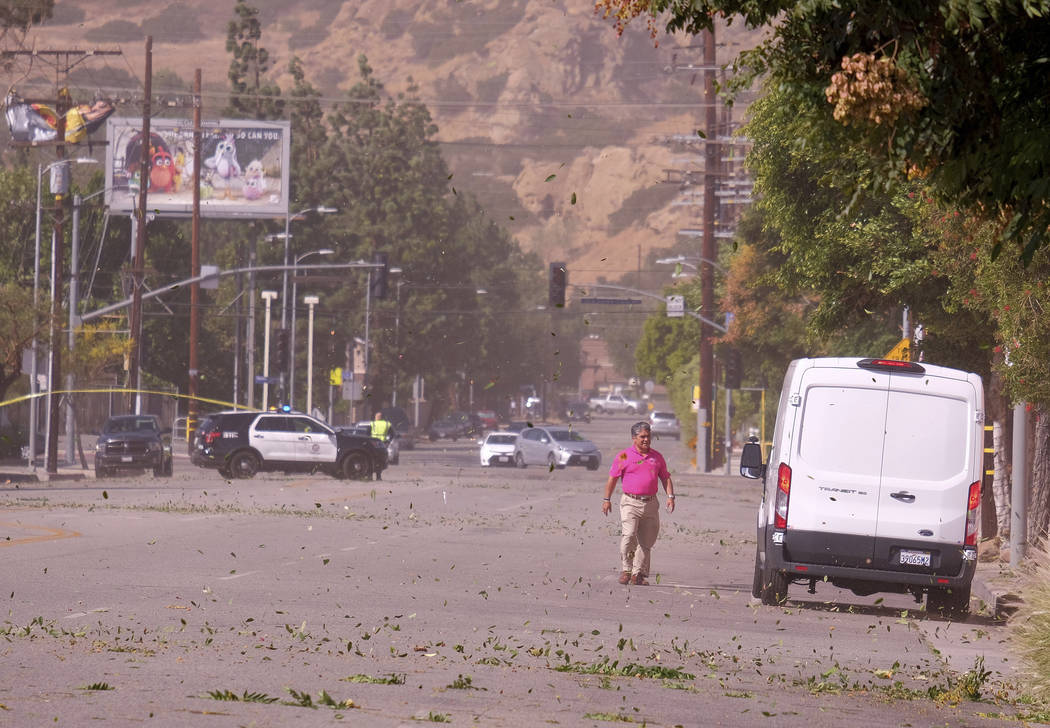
{"x":251,"y":94}
{"x":952,"y":91}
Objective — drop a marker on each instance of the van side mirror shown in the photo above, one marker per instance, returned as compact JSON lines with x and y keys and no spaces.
{"x":751,"y":465}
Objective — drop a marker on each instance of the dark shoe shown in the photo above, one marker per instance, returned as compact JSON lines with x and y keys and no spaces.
{"x":625,"y":577}
{"x":639,"y":580}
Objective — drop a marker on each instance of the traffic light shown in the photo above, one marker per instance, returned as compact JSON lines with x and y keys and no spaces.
{"x":331,"y":359}
{"x":379,"y":275}
{"x":732,"y":369}
{"x":283,"y":339}
{"x":559,"y":281}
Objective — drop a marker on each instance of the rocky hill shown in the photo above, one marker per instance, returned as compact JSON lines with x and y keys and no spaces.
{"x":559,"y":126}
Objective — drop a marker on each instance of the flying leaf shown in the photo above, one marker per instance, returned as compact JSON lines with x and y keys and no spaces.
{"x":550,"y":177}
{"x":105,"y":495}
{"x":573,"y":199}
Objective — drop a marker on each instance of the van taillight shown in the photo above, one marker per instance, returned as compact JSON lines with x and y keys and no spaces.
{"x":973,"y":502}
{"x":212,"y":437}
{"x":780,"y":515}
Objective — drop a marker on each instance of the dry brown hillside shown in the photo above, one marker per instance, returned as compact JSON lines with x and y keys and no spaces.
{"x":521,"y":90}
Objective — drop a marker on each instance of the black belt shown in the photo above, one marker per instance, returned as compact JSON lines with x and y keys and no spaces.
{"x":642,"y":498}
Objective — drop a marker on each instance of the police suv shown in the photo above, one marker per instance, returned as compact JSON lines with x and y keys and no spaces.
{"x":240,"y":444}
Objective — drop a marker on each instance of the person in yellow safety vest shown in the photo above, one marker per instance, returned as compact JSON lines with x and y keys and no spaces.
{"x":381,"y":428}
{"x":383,"y":431}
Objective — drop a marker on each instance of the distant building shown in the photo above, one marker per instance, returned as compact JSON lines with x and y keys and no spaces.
{"x":596,"y":366}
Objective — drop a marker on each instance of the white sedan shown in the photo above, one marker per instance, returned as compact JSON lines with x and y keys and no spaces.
{"x":497,"y":448}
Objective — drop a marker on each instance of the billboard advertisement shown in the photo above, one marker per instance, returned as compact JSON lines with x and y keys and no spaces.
{"x":244,"y":167}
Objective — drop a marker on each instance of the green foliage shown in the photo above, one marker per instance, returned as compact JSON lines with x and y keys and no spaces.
{"x":976,"y":71}
{"x":251,"y":95}
{"x":630,"y":669}
{"x":1030,"y":627}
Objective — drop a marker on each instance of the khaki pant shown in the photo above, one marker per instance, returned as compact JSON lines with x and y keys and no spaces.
{"x":639,"y":526}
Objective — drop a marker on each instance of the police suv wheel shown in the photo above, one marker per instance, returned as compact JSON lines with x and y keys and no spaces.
{"x":244,"y":464}
{"x":356,"y":466}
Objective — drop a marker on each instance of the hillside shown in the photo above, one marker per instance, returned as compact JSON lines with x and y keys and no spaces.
{"x":521,"y":90}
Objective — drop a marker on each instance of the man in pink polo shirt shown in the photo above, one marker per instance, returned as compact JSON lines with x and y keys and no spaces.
{"x":641,"y":469}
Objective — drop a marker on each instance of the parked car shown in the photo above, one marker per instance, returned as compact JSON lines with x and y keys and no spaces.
{"x":577,"y":411}
{"x":133,"y":441}
{"x":488,"y":419}
{"x":240,"y":444}
{"x":392,"y":444}
{"x":555,"y":446}
{"x":665,"y":424}
{"x":615,"y":403}
{"x":446,"y":429}
{"x":497,"y":448}
{"x":516,"y":426}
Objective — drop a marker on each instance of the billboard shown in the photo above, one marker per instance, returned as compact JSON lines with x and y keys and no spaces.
{"x":244,"y":167}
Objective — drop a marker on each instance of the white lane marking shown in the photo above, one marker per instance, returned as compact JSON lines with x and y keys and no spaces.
{"x":237,"y":576}
{"x":349,"y":548}
{"x":77,"y":615}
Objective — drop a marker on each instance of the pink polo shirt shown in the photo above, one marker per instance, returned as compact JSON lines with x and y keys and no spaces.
{"x":641,"y":473}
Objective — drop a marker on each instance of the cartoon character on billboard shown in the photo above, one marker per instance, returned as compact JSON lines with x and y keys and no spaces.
{"x":163,"y":172}
{"x":226,"y":170}
{"x":254,"y":180}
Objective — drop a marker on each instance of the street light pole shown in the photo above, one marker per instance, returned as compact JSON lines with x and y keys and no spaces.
{"x":291,"y":345}
{"x":59,"y":190}
{"x":287,"y":251}
{"x":310,"y":301}
{"x":268,"y":296}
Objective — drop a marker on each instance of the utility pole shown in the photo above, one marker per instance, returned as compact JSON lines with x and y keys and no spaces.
{"x":704,"y":414}
{"x":138,"y":269}
{"x":195,"y":261}
{"x":54,"y":360}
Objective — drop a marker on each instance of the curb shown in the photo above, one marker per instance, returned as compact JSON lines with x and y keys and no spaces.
{"x":42,"y":476}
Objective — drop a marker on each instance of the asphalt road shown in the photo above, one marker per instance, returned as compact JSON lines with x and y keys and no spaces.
{"x":446,"y":592}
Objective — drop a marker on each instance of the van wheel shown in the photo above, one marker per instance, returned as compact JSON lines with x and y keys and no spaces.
{"x":954,"y":602}
{"x":519,"y":460}
{"x":598,"y":410}
{"x":774,"y":588}
{"x":630,"y":410}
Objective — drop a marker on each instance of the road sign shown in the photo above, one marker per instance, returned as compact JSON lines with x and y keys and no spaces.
{"x":611,"y":300}
{"x":260,"y":379}
{"x":901,"y":352}
{"x":675,"y":306}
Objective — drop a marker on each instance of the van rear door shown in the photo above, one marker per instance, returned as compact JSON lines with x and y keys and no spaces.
{"x":932,"y":431}
{"x":836,"y":463}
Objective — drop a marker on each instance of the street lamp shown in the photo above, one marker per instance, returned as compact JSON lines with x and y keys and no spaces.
{"x":310,"y":301}
{"x":291,"y":347}
{"x":688,"y":260}
{"x":58,"y":185}
{"x":268,"y":296}
{"x":287,"y":235}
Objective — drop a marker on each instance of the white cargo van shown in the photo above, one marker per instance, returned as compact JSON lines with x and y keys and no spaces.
{"x":873,"y":481}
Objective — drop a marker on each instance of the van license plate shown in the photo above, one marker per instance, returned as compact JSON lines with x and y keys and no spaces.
{"x":915,"y":558}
